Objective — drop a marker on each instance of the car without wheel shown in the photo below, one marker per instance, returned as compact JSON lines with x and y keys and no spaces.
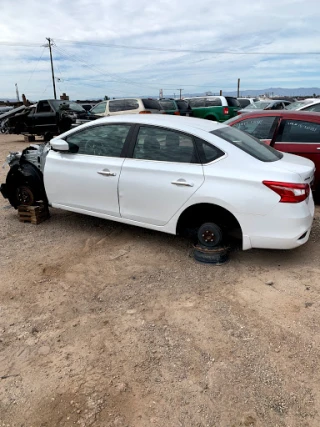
{"x":171,"y":174}
{"x":244,"y":102}
{"x":184,"y":108}
{"x":114,"y":107}
{"x":311,"y":104}
{"x":169,"y":106}
{"x":46,"y":118}
{"x":265,"y":105}
{"x":294,"y":132}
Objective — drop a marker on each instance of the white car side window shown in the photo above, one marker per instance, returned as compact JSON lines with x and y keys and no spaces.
{"x":164,"y":145}
{"x":106,"y":140}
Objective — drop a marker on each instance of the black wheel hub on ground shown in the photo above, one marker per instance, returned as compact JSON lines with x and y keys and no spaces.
{"x":25,"y":195}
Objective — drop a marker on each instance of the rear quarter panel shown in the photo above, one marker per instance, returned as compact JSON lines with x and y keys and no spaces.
{"x":208,"y":112}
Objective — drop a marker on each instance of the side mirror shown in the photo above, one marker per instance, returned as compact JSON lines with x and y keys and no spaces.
{"x":59,"y":145}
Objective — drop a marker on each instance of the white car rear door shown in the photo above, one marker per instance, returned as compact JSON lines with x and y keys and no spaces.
{"x":160,"y":178}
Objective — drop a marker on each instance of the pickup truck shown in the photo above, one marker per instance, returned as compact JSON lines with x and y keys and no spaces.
{"x":215,"y":108}
{"x":46,"y":118}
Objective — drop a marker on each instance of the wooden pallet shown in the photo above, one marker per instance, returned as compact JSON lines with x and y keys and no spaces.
{"x":33,"y":214}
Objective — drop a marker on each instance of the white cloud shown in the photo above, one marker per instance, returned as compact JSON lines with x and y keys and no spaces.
{"x":84,"y":71}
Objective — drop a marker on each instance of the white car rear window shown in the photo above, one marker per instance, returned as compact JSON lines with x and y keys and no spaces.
{"x":248,"y":144}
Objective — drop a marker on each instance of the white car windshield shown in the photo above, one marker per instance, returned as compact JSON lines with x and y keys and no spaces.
{"x":298,"y":104}
{"x":260,"y":105}
{"x":66,"y":105}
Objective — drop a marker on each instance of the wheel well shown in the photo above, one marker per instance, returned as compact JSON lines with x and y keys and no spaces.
{"x":212,"y":117}
{"x":196,"y":215}
{"x":25,"y":172}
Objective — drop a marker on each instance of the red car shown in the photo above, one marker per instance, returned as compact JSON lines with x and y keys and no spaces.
{"x":294,"y":132}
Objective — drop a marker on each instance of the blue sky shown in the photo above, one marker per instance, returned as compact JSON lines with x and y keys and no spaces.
{"x":198,"y":46}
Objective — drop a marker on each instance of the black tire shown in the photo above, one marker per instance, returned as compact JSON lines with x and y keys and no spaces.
{"x":212,"y":118}
{"x":209,"y":235}
{"x":64,"y":126}
{"x":216,"y":256}
{"x":316,"y":195}
{"x":4,"y":127}
{"x":47,"y":136}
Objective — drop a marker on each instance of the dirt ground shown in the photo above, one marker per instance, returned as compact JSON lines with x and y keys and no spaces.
{"x":103,"y":324}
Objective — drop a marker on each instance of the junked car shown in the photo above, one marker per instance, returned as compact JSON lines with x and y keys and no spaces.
{"x":215,"y":108}
{"x":169,"y":106}
{"x":244,"y":102}
{"x":114,"y":107}
{"x":171,"y":174}
{"x":295,"y":132}
{"x":177,"y":107}
{"x":46,"y":118}
{"x":184,"y":108}
{"x":265,"y":105}
{"x":310,"y":104}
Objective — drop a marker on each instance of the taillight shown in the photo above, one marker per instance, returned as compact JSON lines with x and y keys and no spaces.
{"x":289,"y":192}
{"x":226,"y":110}
{"x":145,"y":112}
{"x":177,"y":113}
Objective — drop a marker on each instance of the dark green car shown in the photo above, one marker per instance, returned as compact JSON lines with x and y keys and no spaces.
{"x":216,"y":108}
{"x":169,"y":106}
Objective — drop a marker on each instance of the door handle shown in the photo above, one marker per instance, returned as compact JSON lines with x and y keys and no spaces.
{"x":182,"y":183}
{"x":318,"y":148}
{"x":106,"y":172}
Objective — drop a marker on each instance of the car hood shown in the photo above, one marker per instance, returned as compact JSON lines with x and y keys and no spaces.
{"x":300,"y":165}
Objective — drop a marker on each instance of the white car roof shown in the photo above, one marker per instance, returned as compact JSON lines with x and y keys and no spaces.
{"x":183,"y":124}
{"x":209,"y":96}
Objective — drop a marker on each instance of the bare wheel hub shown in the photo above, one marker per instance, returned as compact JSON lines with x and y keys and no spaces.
{"x":208,"y":236}
{"x":25,"y":195}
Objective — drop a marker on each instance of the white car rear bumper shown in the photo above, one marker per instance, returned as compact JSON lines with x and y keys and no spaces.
{"x":287,"y":226}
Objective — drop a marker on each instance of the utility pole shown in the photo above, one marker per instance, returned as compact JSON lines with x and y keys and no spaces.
{"x":180,"y":92}
{"x":238,"y":90}
{"x":52,"y":71}
{"x":17,"y":92}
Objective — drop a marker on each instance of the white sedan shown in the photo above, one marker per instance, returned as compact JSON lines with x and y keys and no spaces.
{"x":309,"y":104}
{"x":171,"y":174}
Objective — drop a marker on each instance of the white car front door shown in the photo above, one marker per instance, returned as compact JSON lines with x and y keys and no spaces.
{"x":87,"y":181}
{"x":160,"y":178}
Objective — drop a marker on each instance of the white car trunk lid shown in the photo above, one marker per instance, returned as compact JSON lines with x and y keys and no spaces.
{"x":302,"y":166}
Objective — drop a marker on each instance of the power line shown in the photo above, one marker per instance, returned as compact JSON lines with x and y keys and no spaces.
{"x":36,"y":66}
{"x":20,"y":44}
{"x":160,"y":49}
{"x":116,"y":79}
{"x":157,"y":49}
{"x":68,"y":57}
{"x":112,"y":76}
